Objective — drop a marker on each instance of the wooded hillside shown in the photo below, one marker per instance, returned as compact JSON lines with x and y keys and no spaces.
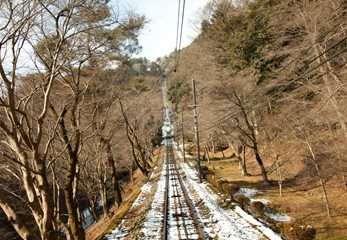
{"x":75,"y":113}
{"x":275,"y":76}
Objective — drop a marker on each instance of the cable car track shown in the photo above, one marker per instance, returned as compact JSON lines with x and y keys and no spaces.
{"x":180,"y":220}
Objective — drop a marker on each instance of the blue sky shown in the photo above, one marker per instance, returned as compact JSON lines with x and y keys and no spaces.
{"x":159,"y":36}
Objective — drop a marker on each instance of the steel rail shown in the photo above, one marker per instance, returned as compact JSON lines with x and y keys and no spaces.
{"x":166,"y":209}
{"x":171,"y":160}
{"x":195,"y":219}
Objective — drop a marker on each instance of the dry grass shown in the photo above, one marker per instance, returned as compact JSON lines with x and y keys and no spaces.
{"x":303,"y":198}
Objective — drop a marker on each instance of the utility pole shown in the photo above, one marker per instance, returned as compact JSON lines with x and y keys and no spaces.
{"x":196,"y":132}
{"x":183,"y":150}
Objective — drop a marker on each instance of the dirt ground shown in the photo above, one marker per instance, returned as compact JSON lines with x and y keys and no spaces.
{"x":302,"y":194}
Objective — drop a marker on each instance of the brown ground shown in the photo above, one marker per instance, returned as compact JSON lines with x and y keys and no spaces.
{"x":303,"y":198}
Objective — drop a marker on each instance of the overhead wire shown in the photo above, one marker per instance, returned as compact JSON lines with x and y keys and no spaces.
{"x":179,"y":36}
{"x":179,"y":49}
{"x":288,"y":77}
{"x":178,"y":26}
{"x":318,"y":40}
{"x":296,"y":79}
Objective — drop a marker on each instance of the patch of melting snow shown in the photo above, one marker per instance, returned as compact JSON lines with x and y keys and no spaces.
{"x":227,"y":224}
{"x":152,"y":226}
{"x":279,"y":217}
{"x":142,"y":197}
{"x":120,"y":232}
{"x":248,"y":192}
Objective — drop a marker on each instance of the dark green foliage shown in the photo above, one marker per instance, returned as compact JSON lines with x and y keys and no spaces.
{"x":204,"y":167}
{"x":138,"y":86}
{"x":158,"y":135}
{"x":177,"y":90}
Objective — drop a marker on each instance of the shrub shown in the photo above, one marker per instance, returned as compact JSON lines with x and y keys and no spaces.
{"x":188,"y":150}
{"x":257,"y":207}
{"x":204,"y":167}
{"x":230,"y":188}
{"x":219,"y":182}
{"x":243,"y":200}
{"x":298,"y":230}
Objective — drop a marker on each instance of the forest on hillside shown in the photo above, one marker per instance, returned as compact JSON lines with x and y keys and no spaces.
{"x":273,"y":89}
{"x":77,"y":113}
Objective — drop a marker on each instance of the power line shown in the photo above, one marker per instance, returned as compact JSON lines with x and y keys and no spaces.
{"x":180,"y":41}
{"x":262,"y":101}
{"x":319,"y":39}
{"x":178,"y":25}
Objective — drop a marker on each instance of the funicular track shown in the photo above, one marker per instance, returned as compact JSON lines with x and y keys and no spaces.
{"x":180,"y":221}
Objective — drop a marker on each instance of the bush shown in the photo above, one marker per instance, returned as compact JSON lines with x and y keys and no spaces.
{"x":219,"y":183}
{"x":257,"y":207}
{"x":203,"y":167}
{"x":298,"y":230}
{"x":188,"y":150}
{"x":208,"y":176}
{"x":243,"y":200}
{"x":230,"y":188}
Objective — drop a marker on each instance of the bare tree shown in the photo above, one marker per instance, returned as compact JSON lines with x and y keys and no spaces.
{"x":56,"y":33}
{"x":304,"y":134}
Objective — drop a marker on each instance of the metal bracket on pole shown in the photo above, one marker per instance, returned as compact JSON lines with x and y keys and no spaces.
{"x":194,"y":105}
{"x":197,"y":82}
{"x":184,"y":123}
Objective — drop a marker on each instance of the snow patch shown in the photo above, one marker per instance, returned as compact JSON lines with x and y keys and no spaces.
{"x":279,"y":217}
{"x":226,"y":224}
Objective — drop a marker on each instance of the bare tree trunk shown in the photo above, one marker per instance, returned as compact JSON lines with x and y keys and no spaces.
{"x":103,"y":194}
{"x":339,"y":156}
{"x":74,"y":224}
{"x":75,"y":196}
{"x":115,"y":184}
{"x":278,"y":166}
{"x":260,"y":162}
{"x":213,"y":147}
{"x":15,"y":220}
{"x":242,"y":165}
{"x":128,"y":127}
{"x":131,"y":173}
{"x":208,"y":156}
{"x":253,"y":138}
{"x":333,"y":100}
{"x":93,"y":205}
{"x":320,"y":177}
{"x":255,"y":123}
{"x":107,"y":146}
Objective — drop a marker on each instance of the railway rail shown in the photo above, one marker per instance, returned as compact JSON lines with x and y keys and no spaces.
{"x":180,"y":220}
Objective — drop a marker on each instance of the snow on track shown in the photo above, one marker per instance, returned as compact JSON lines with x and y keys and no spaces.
{"x":153,"y":225}
{"x":226,"y":224}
